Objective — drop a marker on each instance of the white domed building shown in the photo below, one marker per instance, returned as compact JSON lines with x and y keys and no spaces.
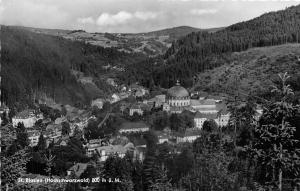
{"x":177,"y":99}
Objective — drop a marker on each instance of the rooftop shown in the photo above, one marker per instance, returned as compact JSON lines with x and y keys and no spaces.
{"x":177,"y":91}
{"x":25,"y":114}
{"x":195,"y":102}
{"x":208,"y":102}
{"x":134,"y":125}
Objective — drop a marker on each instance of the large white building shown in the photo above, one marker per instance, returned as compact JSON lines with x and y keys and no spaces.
{"x":133,"y":127}
{"x":190,"y":135}
{"x":27,"y":117}
{"x":103,"y":152}
{"x":221,"y":118}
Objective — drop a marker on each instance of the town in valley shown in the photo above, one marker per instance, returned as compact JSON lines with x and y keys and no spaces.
{"x":179,"y":109}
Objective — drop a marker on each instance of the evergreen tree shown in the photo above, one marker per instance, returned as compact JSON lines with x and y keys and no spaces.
{"x":4,"y":118}
{"x":22,"y":136}
{"x":90,"y":172}
{"x":117,"y":172}
{"x":161,"y":182}
{"x":49,"y":158}
{"x":210,"y":125}
{"x":12,"y":167}
{"x":275,"y":145}
{"x":65,"y":128}
{"x":42,"y":145}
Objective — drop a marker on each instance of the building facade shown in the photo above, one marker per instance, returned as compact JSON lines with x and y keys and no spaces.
{"x":221,"y":119}
{"x":27,"y":117}
{"x":136,"y":108}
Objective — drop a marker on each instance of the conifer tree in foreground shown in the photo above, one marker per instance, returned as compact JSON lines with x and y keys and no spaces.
{"x":275,"y":146}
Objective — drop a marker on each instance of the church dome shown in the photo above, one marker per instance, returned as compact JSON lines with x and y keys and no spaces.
{"x":178,"y":91}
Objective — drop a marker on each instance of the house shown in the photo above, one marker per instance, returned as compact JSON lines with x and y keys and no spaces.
{"x":106,"y":67}
{"x":3,"y":108}
{"x":63,"y":141}
{"x":157,"y":101}
{"x":200,"y":118}
{"x":123,"y":87}
{"x":166,"y":107}
{"x":33,"y":137}
{"x":133,"y":127}
{"x":77,"y":169}
{"x":60,"y":120}
{"x":97,"y":103}
{"x":105,"y":151}
{"x":202,"y":95}
{"x":137,"y":90}
{"x":135,"y":108}
{"x":53,"y":132}
{"x":190,"y":135}
{"x":27,"y":117}
{"x":139,"y":153}
{"x":145,"y":107}
{"x":163,"y":137}
{"x":91,"y":147}
{"x":115,"y":98}
{"x":111,"y":82}
{"x":123,"y":95}
{"x":258,"y":113}
{"x":223,"y":118}
{"x":161,"y":98}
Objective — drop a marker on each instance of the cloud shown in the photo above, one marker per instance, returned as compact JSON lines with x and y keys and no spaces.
{"x":203,"y":11}
{"x":106,"y":19}
{"x":145,"y":15}
{"x":86,"y":20}
{"x":123,"y":17}
{"x":31,"y":13}
{"x":1,"y":10}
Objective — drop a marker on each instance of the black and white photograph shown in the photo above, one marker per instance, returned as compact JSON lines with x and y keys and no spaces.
{"x":150,"y":95}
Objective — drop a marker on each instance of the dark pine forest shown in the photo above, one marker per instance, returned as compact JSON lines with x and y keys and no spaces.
{"x":36,"y":63}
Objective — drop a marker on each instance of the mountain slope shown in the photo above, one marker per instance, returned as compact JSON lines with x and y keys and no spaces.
{"x":175,"y":32}
{"x":37,"y":64}
{"x":252,"y":71}
{"x":199,"y":51}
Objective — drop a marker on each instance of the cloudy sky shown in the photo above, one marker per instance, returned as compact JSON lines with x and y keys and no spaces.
{"x":132,"y":15}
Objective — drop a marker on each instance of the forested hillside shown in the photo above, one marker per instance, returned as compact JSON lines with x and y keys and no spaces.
{"x":177,"y":32}
{"x":253,"y":72}
{"x":200,"y":51}
{"x":34,"y":64}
